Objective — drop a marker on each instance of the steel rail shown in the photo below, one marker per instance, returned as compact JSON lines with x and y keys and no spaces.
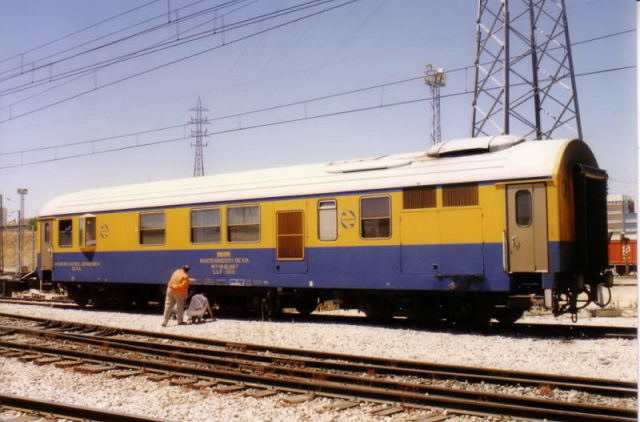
{"x":544,"y":330}
{"x":68,"y":410}
{"x":240,"y":357}
{"x":357,"y":386}
{"x":458,"y":371}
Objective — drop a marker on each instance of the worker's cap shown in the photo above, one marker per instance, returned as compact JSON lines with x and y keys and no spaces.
{"x":186,"y":268}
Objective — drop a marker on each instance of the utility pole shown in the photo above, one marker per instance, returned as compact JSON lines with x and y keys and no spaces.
{"x":1,"y":235}
{"x":435,"y":79}
{"x":524,"y":77}
{"x":199,"y":133}
{"x":22,"y":192}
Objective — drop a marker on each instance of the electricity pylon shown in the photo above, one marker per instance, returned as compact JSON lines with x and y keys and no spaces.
{"x":524,"y":77}
{"x":199,"y":133}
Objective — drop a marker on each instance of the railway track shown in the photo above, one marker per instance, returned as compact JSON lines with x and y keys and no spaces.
{"x":400,"y":384}
{"x":542,"y":330}
{"x":14,"y":408}
{"x":57,"y":301}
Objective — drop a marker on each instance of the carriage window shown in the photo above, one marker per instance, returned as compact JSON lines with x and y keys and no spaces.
{"x":65,"y":228}
{"x":327,"y":220}
{"x":152,"y":228}
{"x":419,"y":197}
{"x":460,"y":195}
{"x":375,"y":217}
{"x":243,"y":224}
{"x":205,"y":226}
{"x":87,"y":231}
{"x":523,"y":208}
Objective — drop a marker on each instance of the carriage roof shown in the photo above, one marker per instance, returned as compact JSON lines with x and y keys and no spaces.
{"x":458,"y":161}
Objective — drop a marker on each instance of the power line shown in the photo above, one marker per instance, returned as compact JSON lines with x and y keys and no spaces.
{"x":79,"y":31}
{"x":155,"y":48}
{"x":126,"y":78}
{"x":223,"y":117}
{"x":463,"y":68}
{"x":261,"y":125}
{"x":269,"y":108}
{"x":87,"y":72}
{"x":32,"y":64}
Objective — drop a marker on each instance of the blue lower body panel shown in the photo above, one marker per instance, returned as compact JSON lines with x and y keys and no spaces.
{"x":471,"y":267}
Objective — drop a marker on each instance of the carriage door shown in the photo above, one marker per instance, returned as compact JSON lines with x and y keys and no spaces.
{"x":290,"y":242}
{"x":46,"y":245}
{"x":526,"y":237}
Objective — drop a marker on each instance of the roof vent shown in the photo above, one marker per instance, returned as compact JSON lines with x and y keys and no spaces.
{"x":380,"y":163}
{"x":468,"y":146}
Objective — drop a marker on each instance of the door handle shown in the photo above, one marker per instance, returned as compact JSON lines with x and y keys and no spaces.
{"x":514,"y":242}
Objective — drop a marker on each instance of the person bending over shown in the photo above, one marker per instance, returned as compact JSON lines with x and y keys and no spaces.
{"x":177,"y":291}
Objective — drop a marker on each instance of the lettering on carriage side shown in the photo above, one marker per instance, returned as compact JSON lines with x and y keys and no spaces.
{"x":224,"y":263}
{"x":347,"y":219}
{"x":76,"y":265}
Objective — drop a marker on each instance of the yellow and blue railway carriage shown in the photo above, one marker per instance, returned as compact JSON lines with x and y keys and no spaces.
{"x":472,"y":228}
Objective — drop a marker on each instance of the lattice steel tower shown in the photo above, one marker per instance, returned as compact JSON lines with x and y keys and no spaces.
{"x":435,"y":78}
{"x":524,"y":78}
{"x":199,"y":133}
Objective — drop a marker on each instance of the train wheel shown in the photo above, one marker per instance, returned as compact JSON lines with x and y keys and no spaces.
{"x":78,"y":294}
{"x":377,"y":309}
{"x":622,"y":269}
{"x":306,"y":306}
{"x":508,"y":316}
{"x":81,"y":301}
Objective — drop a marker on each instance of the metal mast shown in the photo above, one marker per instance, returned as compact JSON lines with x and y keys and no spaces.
{"x":524,"y":78}
{"x":199,"y":133}
{"x":435,"y":79}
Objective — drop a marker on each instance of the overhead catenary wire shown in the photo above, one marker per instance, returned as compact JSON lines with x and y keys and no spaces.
{"x":31,"y":66}
{"x":181,"y":59}
{"x":172,"y":42}
{"x":256,"y":126}
{"x":305,"y":101}
{"x":463,"y":68}
{"x":76,"y":32}
{"x":90,"y":71}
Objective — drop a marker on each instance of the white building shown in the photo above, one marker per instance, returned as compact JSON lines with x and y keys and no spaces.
{"x":621,"y":215}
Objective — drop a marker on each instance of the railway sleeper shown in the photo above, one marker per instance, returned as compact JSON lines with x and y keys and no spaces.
{"x":230,"y":388}
{"x":387,"y":410}
{"x":93,"y":368}
{"x":260,"y":393}
{"x":341,"y":405}
{"x":126,"y":373}
{"x":297,"y":399}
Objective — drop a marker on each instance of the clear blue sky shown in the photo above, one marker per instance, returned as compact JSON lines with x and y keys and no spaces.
{"x":366,"y":43}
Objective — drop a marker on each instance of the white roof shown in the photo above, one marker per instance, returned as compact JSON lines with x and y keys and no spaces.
{"x":520,"y":160}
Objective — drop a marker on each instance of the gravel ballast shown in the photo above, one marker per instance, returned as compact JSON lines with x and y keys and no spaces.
{"x":598,"y":358}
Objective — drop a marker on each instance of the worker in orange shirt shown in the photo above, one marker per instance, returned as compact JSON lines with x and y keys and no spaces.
{"x":177,"y":291}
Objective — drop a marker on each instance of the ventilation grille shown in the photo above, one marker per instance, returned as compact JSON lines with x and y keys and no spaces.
{"x":419,"y":197}
{"x":460,"y":195}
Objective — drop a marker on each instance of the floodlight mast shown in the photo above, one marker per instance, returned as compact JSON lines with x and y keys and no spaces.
{"x":435,"y":78}
{"x":524,"y":78}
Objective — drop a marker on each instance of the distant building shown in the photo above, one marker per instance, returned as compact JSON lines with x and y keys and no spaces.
{"x":622,"y":216}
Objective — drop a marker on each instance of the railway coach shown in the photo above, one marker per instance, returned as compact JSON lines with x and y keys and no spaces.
{"x":472,"y":229}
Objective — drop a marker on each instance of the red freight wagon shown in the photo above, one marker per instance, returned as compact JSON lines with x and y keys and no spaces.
{"x":623,"y":255}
